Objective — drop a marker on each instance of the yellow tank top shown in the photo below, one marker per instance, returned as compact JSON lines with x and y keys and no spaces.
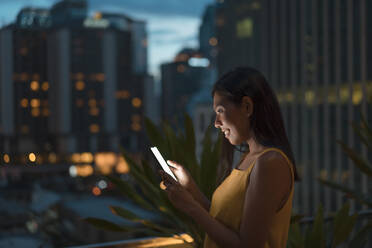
{"x":228,"y":202}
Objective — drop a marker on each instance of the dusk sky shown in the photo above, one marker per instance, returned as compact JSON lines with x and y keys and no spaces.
{"x":171,"y":24}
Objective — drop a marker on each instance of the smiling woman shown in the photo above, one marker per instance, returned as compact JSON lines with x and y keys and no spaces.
{"x":252,"y":206}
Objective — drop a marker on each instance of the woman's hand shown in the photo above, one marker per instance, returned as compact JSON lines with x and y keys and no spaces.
{"x":183,"y":176}
{"x":178,"y":195}
{"x":187,"y":182}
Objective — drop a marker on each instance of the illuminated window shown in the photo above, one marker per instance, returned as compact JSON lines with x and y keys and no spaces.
{"x":45,"y":103}
{"x":79,"y":103}
{"x":181,"y":68}
{"x":86,"y":157}
{"x":344,"y":93}
{"x":92,"y":103}
{"x":79,"y":85}
{"x":136,"y":102}
{"x":6,"y":158}
{"x":36,"y":77}
{"x":213,"y":41}
{"x":289,"y":97}
{"x":357,"y":94}
{"x":94,"y":111}
{"x":78,"y":76}
{"x":52,"y":158}
{"x":97,"y":15}
{"x":309,"y":97}
{"x":34,"y":85}
{"x":32,"y":157}
{"x":136,"y":118}
{"x":45,"y":112}
{"x":122,"y":94}
{"x":24,"y":77}
{"x":35,"y":103}
{"x":136,"y":127}
{"x":35,"y":112}
{"x":45,"y":86}
{"x":100,"y":77}
{"x":244,"y":28}
{"x":24,"y":103}
{"x":94,"y":128}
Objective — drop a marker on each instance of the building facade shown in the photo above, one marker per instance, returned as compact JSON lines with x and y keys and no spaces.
{"x":316,"y":55}
{"x":71,"y":84}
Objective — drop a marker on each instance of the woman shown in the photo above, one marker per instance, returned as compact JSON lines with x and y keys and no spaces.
{"x":252,"y":206}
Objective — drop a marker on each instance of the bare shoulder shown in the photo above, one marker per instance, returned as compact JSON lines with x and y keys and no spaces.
{"x":272,"y":164}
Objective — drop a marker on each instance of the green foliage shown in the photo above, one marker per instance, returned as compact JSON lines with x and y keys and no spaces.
{"x":343,"y":223}
{"x":365,"y":134}
{"x":144,"y":190}
{"x":317,"y":235}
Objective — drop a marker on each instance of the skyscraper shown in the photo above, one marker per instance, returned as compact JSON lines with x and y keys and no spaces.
{"x":315,"y":55}
{"x":71,"y":83}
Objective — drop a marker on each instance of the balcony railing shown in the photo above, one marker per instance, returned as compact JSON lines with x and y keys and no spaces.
{"x":152,"y":242}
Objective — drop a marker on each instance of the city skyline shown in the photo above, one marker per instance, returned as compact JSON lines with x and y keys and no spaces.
{"x":165,"y":37}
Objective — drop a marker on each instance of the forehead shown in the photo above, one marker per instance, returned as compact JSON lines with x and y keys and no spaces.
{"x":219,"y":100}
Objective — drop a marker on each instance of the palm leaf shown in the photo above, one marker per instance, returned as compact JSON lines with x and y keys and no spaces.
{"x":107,"y":225}
{"x":357,"y":159}
{"x":361,"y":198}
{"x":343,"y":225}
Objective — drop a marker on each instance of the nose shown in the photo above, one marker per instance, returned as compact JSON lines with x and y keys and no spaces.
{"x":217,"y":122}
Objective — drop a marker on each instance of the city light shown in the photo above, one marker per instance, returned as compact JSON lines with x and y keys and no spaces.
{"x":52,"y":158}
{"x":35,"y":103}
{"x":94,"y":128}
{"x":45,"y":86}
{"x":200,"y":62}
{"x":34,"y":85}
{"x":86,"y":157}
{"x":79,"y":85}
{"x":6,"y":158}
{"x":32,"y":157}
{"x":96,"y":191}
{"x":102,"y":184}
{"x":213,"y":41}
{"x":122,"y":167}
{"x":136,"y":102}
{"x":81,"y":170}
{"x":24,"y":103}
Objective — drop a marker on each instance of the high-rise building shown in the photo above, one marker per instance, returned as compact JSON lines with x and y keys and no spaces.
{"x":316,"y":55}
{"x":180,"y":80}
{"x":71,"y":83}
{"x":207,"y":35}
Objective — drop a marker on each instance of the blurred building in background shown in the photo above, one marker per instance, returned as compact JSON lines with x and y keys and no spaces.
{"x":71,"y":84}
{"x":185,"y":76}
{"x":315,"y":55}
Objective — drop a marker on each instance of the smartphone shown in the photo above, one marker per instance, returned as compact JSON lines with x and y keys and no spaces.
{"x":162,"y":162}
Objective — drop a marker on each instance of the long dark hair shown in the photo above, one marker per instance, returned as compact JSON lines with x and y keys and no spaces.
{"x":266,"y":120}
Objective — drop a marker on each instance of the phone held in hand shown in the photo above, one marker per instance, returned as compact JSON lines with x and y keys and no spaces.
{"x":162,"y":162}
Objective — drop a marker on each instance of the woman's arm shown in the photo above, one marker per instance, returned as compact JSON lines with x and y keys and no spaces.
{"x":270,"y":182}
{"x":185,"y":179}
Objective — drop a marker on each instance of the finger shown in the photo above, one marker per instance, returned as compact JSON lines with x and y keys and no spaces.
{"x":173,"y":164}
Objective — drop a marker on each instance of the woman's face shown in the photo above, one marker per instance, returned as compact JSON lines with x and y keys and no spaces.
{"x":231,"y":119}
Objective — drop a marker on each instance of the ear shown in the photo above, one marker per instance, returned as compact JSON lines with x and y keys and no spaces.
{"x":247,"y":105}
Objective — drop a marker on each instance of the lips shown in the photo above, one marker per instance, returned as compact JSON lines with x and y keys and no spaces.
{"x":226,"y":132}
